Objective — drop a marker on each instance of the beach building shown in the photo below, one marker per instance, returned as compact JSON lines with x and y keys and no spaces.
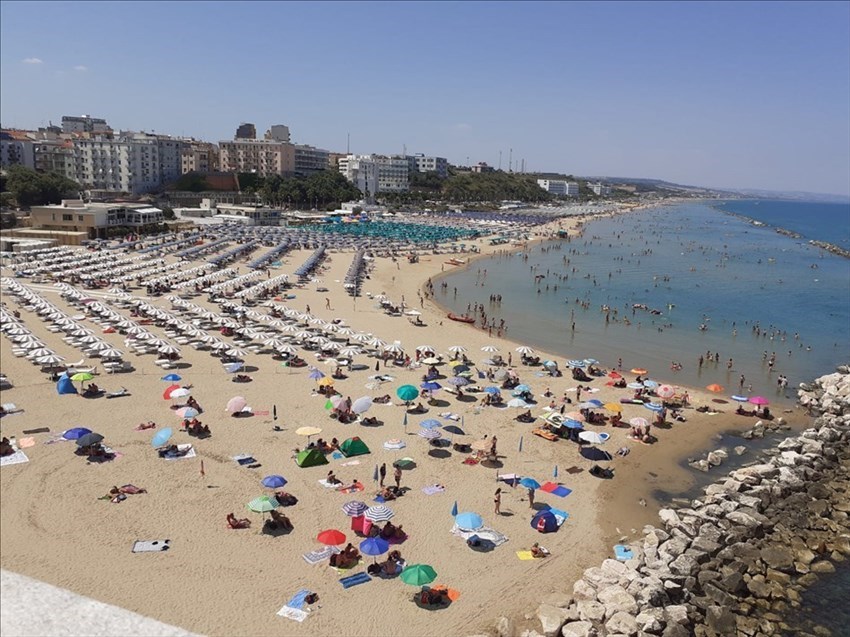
{"x":261,"y":156}
{"x":93,"y":219}
{"x":482,"y":167}
{"x":16,"y":149}
{"x":600,"y":189}
{"x":246,"y":131}
{"x":559,"y":187}
{"x":84,"y":124}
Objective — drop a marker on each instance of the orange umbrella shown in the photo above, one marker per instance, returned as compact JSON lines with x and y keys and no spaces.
{"x":715,"y":388}
{"x":639,"y":370}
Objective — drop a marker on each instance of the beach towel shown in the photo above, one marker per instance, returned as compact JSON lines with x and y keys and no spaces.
{"x":25,"y":443}
{"x":328,"y":485}
{"x":556,"y":489}
{"x":449,"y":416}
{"x":260,"y":413}
{"x":524,"y":555}
{"x":350,"y":463}
{"x":151,"y":546}
{"x":354,"y":489}
{"x":560,"y":516}
{"x":380,"y":498}
{"x":470,"y":460}
{"x":336,"y":455}
{"x":244,"y":459}
{"x":451,"y":593}
{"x":623,"y":553}
{"x":189,"y":454}
{"x":294,"y":607}
{"x":40,"y":430}
{"x":19,"y":457}
{"x":431,"y":490}
{"x":354,"y":580}
{"x":314,"y":557}
{"x":484,"y":533}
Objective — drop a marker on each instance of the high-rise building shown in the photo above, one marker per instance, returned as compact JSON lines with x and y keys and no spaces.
{"x":199,"y":157}
{"x":393,"y":173}
{"x":362,"y":171}
{"x":84,"y":124}
{"x":261,"y":156}
{"x":56,"y":156}
{"x":600,"y":189}
{"x":423,"y":164}
{"x":16,"y":149}
{"x":246,"y":131}
{"x":134,"y":162}
{"x":278,"y":133}
{"x":309,"y":160}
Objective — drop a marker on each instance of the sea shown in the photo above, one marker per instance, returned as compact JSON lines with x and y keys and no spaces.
{"x":738,"y":279}
{"x":664,"y":287}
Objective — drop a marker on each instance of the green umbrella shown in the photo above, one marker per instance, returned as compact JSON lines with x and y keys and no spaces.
{"x":407,"y":393}
{"x":418,"y":575}
{"x":82,"y":376}
{"x":263,"y":504}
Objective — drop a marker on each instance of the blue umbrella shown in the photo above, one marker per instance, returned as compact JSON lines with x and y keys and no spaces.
{"x":650,"y":384}
{"x":374,"y":546}
{"x":596,"y":403}
{"x":468,"y":520}
{"x":740,"y":399}
{"x":569,"y":423}
{"x":654,"y":406}
{"x":530,"y":483}
{"x":431,"y":386}
{"x":75,"y":433}
{"x":457,"y":369}
{"x":172,"y":377}
{"x":454,"y":509}
{"x":161,"y":437}
{"x":574,"y":363}
{"x":493,"y":390}
{"x":274,"y":482}
{"x":590,"y":361}
{"x":522,"y":388}
{"x":316,"y":375}
{"x":65,"y":386}
{"x":458,"y":381}
{"x":430,"y":424}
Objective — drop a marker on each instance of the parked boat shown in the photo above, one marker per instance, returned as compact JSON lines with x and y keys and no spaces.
{"x":462,"y":319}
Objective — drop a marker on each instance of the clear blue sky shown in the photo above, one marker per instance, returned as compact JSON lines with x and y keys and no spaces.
{"x":724,"y":94}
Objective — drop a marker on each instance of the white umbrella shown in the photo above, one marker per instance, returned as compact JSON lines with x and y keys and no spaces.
{"x":517,"y":402}
{"x":168,"y":349}
{"x":524,"y":350}
{"x":395,"y":348}
{"x":593,"y":437}
{"x":457,"y":349}
{"x":489,"y":348}
{"x":286,"y":349}
{"x":235,"y":352}
{"x":50,"y":359}
{"x":425,"y":348}
{"x":349,"y":351}
{"x":111,"y":353}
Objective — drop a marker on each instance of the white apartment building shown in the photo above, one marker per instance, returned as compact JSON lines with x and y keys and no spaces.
{"x":16,"y":152}
{"x":309,"y":160}
{"x":56,"y":156}
{"x":423,"y":164}
{"x":600,"y":189}
{"x":118,"y":165}
{"x":262,"y":156}
{"x":84,"y":124}
{"x":559,"y":187}
{"x":393,"y":173}
{"x":362,"y":171}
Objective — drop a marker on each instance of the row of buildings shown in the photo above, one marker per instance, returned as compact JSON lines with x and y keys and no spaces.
{"x":570,"y":188}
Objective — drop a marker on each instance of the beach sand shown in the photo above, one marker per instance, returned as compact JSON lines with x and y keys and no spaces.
{"x":218,"y":581}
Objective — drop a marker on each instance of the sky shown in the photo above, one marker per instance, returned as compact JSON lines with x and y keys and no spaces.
{"x":724,"y":95}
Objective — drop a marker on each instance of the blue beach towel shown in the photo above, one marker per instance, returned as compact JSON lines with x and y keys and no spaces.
{"x":623,"y":553}
{"x":297,"y":600}
{"x":563,"y":515}
{"x":561,"y":492}
{"x":354,"y":580}
{"x":336,"y":455}
{"x":380,"y":498}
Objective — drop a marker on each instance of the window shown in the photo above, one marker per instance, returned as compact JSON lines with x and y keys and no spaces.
{"x":80,"y":218}
{"x":67,"y":217}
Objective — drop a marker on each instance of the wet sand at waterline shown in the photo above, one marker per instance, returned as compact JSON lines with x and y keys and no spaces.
{"x":219,"y":581}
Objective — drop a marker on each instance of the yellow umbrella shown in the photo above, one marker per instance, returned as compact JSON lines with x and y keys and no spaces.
{"x":615,"y":407}
{"x":308,"y":431}
{"x":327,"y":380}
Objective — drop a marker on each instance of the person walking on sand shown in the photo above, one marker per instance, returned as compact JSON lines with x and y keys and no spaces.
{"x":397,"y":476}
{"x":497,"y":501}
{"x":531,"y":498}
{"x":328,"y":304}
{"x":383,"y":473}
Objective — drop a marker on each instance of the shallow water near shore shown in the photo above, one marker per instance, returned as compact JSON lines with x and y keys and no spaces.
{"x":825,"y":604}
{"x":695,"y":266}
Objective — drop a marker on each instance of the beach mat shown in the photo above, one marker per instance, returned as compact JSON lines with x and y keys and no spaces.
{"x":556,"y":489}
{"x":575,"y":469}
{"x":451,"y":593}
{"x":244,"y":459}
{"x":151,"y":546}
{"x":293,"y":613}
{"x":354,"y":580}
{"x":328,"y":485}
{"x":484,"y":533}
{"x":189,"y":454}
{"x":26,"y":443}
{"x":297,"y":600}
{"x":524,"y":555}
{"x":623,"y":553}
{"x":431,"y":490}
{"x":39,"y":430}
{"x":19,"y":457}
{"x":314,"y":557}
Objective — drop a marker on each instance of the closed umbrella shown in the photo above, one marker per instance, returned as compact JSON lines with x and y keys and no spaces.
{"x":418,"y":575}
{"x":469,"y":521}
{"x":379,"y":513}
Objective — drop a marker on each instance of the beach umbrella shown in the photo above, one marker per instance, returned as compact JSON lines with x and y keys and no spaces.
{"x":457,"y":349}
{"x":75,"y":433}
{"x":181,"y":392}
{"x":424,"y":348}
{"x":430,"y":434}
{"x":656,"y":407}
{"x":407,"y":393}
{"x":315,"y":374}
{"x":469,"y":521}
{"x":759,"y":400}
{"x":431,"y":423}
{"x":161,"y":437}
{"x":167,"y":393}
{"x":82,"y":377}
{"x":454,"y":429}
{"x":550,"y":364}
{"x":519,"y":389}
{"x":379,"y":513}
{"x":492,"y":390}
{"x":490,"y":348}
{"x":586,"y":405}
{"x":263,"y":504}
{"x":431,"y":386}
{"x":51,"y":359}
{"x":575,"y":415}
{"x":714,"y":387}
{"x":481,"y":445}
{"x":639,"y":371}
{"x":237,"y":403}
{"x":418,"y":575}
{"x":594,"y":402}
{"x":187,"y":412}
{"x":615,"y":407}
{"x":111,"y":353}
{"x":354,"y":508}
{"x":524,"y":350}
{"x":172,"y":377}
{"x":274,"y":481}
{"x":590,"y":361}
{"x":593,"y":437}
{"x":326,"y":381}
{"x":308,"y":431}
{"x":530,"y":483}
{"x":650,"y":384}
{"x":431,"y":360}
{"x":232,"y":368}
{"x":89,"y":439}
{"x":374,"y":546}
{"x":361,"y":405}
{"x":740,"y":399}
{"x":65,"y":386}
{"x":639,"y":422}
{"x":331,"y":537}
{"x":575,"y":363}
{"x":595,"y":453}
{"x":569,"y":423}
{"x":665,"y":391}
{"x":635,"y":386}
{"x":517,"y":402}
{"x":458,"y":381}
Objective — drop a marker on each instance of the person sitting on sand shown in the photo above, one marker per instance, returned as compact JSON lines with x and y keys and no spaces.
{"x":191,"y":402}
{"x":430,"y":597}
{"x":371,"y":420}
{"x":280,"y":520}
{"x":616,"y":420}
{"x":6,"y":448}
{"x":332,"y":479}
{"x":334,"y":444}
{"x":387,"y":493}
{"x":538,"y":551}
{"x":285,"y":499}
{"x":347,"y":558}
{"x":234,"y":523}
{"x":382,"y":399}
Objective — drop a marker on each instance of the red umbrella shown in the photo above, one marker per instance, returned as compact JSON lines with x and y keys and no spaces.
{"x":331,"y":537}
{"x":614,"y":375}
{"x":167,"y":393}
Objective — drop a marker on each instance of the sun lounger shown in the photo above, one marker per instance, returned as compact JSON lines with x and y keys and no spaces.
{"x":314,"y":557}
{"x":148,"y":546}
{"x":354,"y":580}
{"x":544,"y":433}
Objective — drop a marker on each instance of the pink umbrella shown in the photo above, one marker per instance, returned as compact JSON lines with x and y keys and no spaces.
{"x":575,"y":415}
{"x":665,"y":391}
{"x":237,"y":403}
{"x":759,"y":400}
{"x":639,"y":422}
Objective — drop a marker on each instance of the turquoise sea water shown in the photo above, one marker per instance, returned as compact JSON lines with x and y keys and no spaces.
{"x":697,"y":267}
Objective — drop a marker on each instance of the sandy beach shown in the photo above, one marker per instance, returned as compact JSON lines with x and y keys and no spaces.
{"x":218,"y":581}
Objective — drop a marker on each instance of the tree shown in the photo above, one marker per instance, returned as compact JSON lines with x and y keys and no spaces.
{"x":30,"y":188}
{"x":168,"y":213}
{"x":192,"y":182}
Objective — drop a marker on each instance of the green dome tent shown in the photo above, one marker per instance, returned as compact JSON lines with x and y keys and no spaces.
{"x":353,"y":447}
{"x":310,"y":458}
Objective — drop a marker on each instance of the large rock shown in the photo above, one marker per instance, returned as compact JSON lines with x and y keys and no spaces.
{"x":582,"y":590}
{"x":578,"y":629}
{"x":589,"y":610}
{"x":505,"y":627}
{"x":684,"y":565}
{"x":721,"y":620}
{"x":651,"y":621}
{"x":622,"y":623}
{"x":669,"y":517}
{"x":617,"y":599}
{"x":778,"y":557}
{"x":551,"y":619}
{"x":677,"y":614}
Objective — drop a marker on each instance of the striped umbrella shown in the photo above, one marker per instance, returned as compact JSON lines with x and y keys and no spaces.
{"x":379,"y":513}
{"x":354,"y":508}
{"x":430,"y":434}
{"x":665,"y":391}
{"x":656,"y":407}
{"x":431,"y":423}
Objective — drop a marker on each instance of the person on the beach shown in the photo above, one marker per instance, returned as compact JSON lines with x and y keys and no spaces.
{"x":530,"y":498}
{"x":332,"y":479}
{"x":397,"y":476}
{"x":493,"y":446}
{"x":538,"y":551}
{"x":383,"y":473}
{"x":497,"y":501}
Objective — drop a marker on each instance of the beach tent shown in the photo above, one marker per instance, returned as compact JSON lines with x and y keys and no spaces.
{"x":544,"y":522}
{"x":65,"y":386}
{"x":353,"y":447}
{"x":310,"y":458}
